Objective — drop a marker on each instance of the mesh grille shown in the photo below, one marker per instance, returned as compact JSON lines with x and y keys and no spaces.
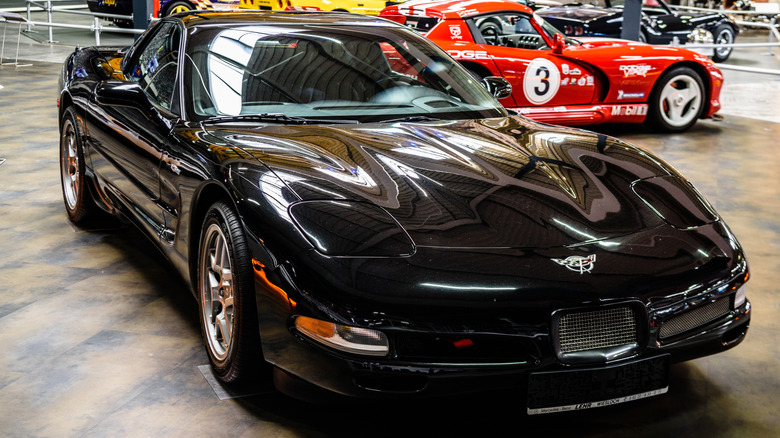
{"x":597,"y":329}
{"x":694,"y":318}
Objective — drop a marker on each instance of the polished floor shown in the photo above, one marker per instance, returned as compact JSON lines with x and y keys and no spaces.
{"x":99,"y":338}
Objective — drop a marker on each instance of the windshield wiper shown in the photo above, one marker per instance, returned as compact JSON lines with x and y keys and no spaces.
{"x":418,"y":118}
{"x":275,"y":117}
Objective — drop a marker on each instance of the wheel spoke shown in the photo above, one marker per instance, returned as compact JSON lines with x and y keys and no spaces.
{"x":668,"y":90}
{"x":224,"y":330}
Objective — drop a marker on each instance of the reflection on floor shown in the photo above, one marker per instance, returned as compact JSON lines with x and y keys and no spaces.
{"x":99,"y":338}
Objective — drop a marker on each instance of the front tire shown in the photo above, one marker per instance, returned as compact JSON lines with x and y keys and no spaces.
{"x":676,"y":101}
{"x":75,"y":191}
{"x":724,"y":34}
{"x":226,"y":300}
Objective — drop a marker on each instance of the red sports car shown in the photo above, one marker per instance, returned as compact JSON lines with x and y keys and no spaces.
{"x":567,"y":81}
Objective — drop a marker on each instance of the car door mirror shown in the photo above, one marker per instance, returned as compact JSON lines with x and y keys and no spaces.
{"x":497,"y":86}
{"x":122,"y":93}
{"x":559,"y":42}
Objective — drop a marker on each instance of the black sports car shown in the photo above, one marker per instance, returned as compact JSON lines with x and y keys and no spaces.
{"x":659,"y":24}
{"x":351,"y":207}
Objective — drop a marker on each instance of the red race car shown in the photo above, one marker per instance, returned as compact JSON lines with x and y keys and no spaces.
{"x":562,"y":80}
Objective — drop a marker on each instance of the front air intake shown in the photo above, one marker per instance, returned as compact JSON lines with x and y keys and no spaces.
{"x":694,"y":318}
{"x":599,"y":334}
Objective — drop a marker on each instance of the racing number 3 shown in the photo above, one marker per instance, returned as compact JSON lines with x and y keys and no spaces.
{"x":541,"y":81}
{"x":544,"y":74}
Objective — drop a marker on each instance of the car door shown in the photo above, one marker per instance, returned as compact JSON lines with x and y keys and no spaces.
{"x":538,"y":76}
{"x":129,"y":142}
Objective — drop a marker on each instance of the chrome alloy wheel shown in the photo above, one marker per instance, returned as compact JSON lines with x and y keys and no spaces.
{"x":680,"y":100}
{"x":726,"y":36}
{"x":69,"y":164}
{"x":217,"y":299}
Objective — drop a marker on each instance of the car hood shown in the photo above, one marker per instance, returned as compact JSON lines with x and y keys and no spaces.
{"x":493,"y":183}
{"x":601,"y":52}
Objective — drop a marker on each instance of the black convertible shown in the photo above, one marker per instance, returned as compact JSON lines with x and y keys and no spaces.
{"x":659,"y":24}
{"x":353,"y":210}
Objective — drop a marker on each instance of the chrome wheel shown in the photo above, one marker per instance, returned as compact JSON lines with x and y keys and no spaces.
{"x":69,"y":164}
{"x":680,"y":101}
{"x":79,"y":204}
{"x":724,"y":36}
{"x":217,"y":299}
{"x":225,"y":289}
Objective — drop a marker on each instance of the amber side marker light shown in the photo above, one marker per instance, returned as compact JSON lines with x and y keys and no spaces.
{"x":354,"y":340}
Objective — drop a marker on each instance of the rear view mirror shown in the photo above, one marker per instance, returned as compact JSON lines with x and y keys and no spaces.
{"x":497,"y":86}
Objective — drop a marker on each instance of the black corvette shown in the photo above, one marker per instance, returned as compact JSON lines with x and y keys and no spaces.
{"x":659,"y":24}
{"x":353,"y":209}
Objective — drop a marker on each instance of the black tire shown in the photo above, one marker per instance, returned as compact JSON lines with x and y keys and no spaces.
{"x":75,"y":189}
{"x":677,"y":100}
{"x":226,"y":303}
{"x":723,"y":34}
{"x":474,"y":72}
{"x":176,"y":7}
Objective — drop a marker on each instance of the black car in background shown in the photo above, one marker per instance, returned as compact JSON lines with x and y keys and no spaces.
{"x":659,"y":23}
{"x":352,"y":209}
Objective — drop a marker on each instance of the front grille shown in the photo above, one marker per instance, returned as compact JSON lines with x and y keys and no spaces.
{"x":597,"y":329}
{"x":694,"y":318}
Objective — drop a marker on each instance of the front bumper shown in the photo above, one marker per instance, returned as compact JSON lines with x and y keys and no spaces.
{"x":305,"y":368}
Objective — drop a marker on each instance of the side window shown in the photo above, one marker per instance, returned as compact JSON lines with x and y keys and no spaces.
{"x":157,"y":66}
{"x":510,"y":30}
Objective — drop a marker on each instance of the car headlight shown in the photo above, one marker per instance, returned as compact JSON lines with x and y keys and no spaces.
{"x":700,"y":36}
{"x":740,"y":297}
{"x":356,"y":340}
{"x":351,"y":229}
{"x":676,"y":201}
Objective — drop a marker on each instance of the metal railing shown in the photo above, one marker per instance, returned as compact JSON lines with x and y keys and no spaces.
{"x":96,"y":26}
{"x":772,"y":26}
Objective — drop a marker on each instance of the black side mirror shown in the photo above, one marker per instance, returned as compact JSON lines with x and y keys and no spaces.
{"x":127,"y":94}
{"x":497,"y":86}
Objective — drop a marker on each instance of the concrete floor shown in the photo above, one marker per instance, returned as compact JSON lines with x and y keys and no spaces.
{"x":98,"y":337}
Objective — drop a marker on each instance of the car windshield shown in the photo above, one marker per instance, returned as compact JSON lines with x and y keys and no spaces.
{"x":597,"y":3}
{"x":551,"y":30}
{"x":326,"y":72}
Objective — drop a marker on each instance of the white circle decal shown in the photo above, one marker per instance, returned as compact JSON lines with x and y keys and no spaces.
{"x":541,"y":81}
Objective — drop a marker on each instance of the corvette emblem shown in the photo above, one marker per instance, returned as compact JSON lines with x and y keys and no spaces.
{"x":578,"y":263}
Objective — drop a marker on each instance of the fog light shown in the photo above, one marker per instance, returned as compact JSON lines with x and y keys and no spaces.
{"x":355,"y":340}
{"x":739,"y":297}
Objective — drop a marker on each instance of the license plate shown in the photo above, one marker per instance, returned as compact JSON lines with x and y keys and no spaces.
{"x":109,"y":2}
{"x":572,"y":390}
